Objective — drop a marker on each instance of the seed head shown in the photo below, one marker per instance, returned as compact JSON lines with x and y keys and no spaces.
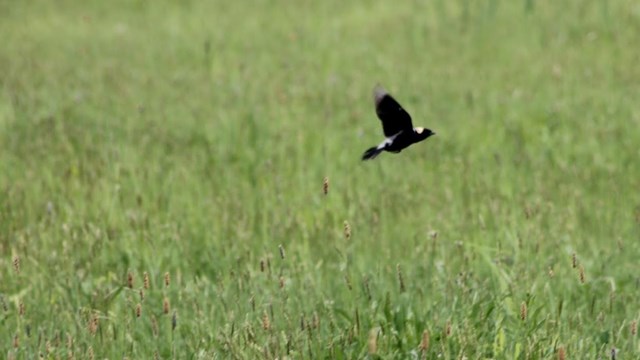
{"x":93,"y":324}
{"x":90,"y":354}
{"x":21,"y":308}
{"x":561,"y":353}
{"x":424,"y":344}
{"x":447,"y":329}
{"x":325,"y":185}
{"x":574,"y":260}
{"x":634,"y":327}
{"x":69,"y":341}
{"x":130,"y":280}
{"x":266,"y":323}
{"x":372,"y":343}
{"x":523,"y":311}
{"x":174,"y":320}
{"x":167,"y":279}
{"x":154,"y":326}
{"x":367,"y":289}
{"x":16,"y":341}
{"x":347,"y":230}
{"x":141,"y":294}
{"x":165,"y":305}
{"x":400,"y":278}
{"x":138,"y":310}
{"x":348,"y":281}
{"x":146,"y":281}
{"x":281,"y":249}
{"x":582,"y":276}
{"x":16,"y":264}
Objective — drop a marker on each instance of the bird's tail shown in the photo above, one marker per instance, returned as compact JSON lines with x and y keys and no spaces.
{"x":371,"y":153}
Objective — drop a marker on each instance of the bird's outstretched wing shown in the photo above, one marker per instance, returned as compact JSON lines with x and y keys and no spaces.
{"x":394,"y":118}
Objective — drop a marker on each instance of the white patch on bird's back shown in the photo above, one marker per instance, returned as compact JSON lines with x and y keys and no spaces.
{"x":388,"y":141}
{"x":418,"y":130}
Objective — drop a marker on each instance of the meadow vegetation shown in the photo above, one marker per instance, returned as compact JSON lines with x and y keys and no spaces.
{"x":163,"y":169}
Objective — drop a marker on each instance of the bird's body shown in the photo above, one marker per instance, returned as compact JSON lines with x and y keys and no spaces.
{"x":396,"y":125}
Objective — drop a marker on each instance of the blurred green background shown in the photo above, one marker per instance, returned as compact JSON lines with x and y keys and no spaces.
{"x":189,"y":140}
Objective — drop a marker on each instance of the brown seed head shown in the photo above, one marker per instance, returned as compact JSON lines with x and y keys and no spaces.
{"x":447,"y":329}
{"x":146,"y":281}
{"x":281,"y":282}
{"x":400,"y":278}
{"x":325,"y":185}
{"x":130,"y":280}
{"x":347,"y":230}
{"x":16,"y":341}
{"x":167,"y":279}
{"x":141,"y":294}
{"x":138,"y":310}
{"x":574,"y":260}
{"x":21,"y":308}
{"x":634,"y":328}
{"x":561,"y":353}
{"x":174,"y":320}
{"x":90,"y":354}
{"x":281,"y":249}
{"x":582,"y":276}
{"x":367,"y":289}
{"x":266,"y":323}
{"x":523,"y":311}
{"x":93,"y":324}
{"x":16,"y":264}
{"x":424,"y":344}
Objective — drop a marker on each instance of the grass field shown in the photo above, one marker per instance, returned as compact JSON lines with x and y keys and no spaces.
{"x":162,"y":167}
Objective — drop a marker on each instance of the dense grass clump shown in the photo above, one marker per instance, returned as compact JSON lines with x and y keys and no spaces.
{"x":182,"y":180}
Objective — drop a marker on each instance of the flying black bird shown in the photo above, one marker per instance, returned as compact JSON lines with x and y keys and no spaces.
{"x":396,"y":125}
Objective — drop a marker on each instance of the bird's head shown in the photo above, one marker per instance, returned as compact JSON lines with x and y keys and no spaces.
{"x":423,"y":133}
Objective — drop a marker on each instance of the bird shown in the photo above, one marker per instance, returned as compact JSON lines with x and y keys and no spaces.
{"x":396,"y":125}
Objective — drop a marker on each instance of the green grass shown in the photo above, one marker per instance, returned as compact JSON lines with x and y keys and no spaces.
{"x":192,"y":138}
